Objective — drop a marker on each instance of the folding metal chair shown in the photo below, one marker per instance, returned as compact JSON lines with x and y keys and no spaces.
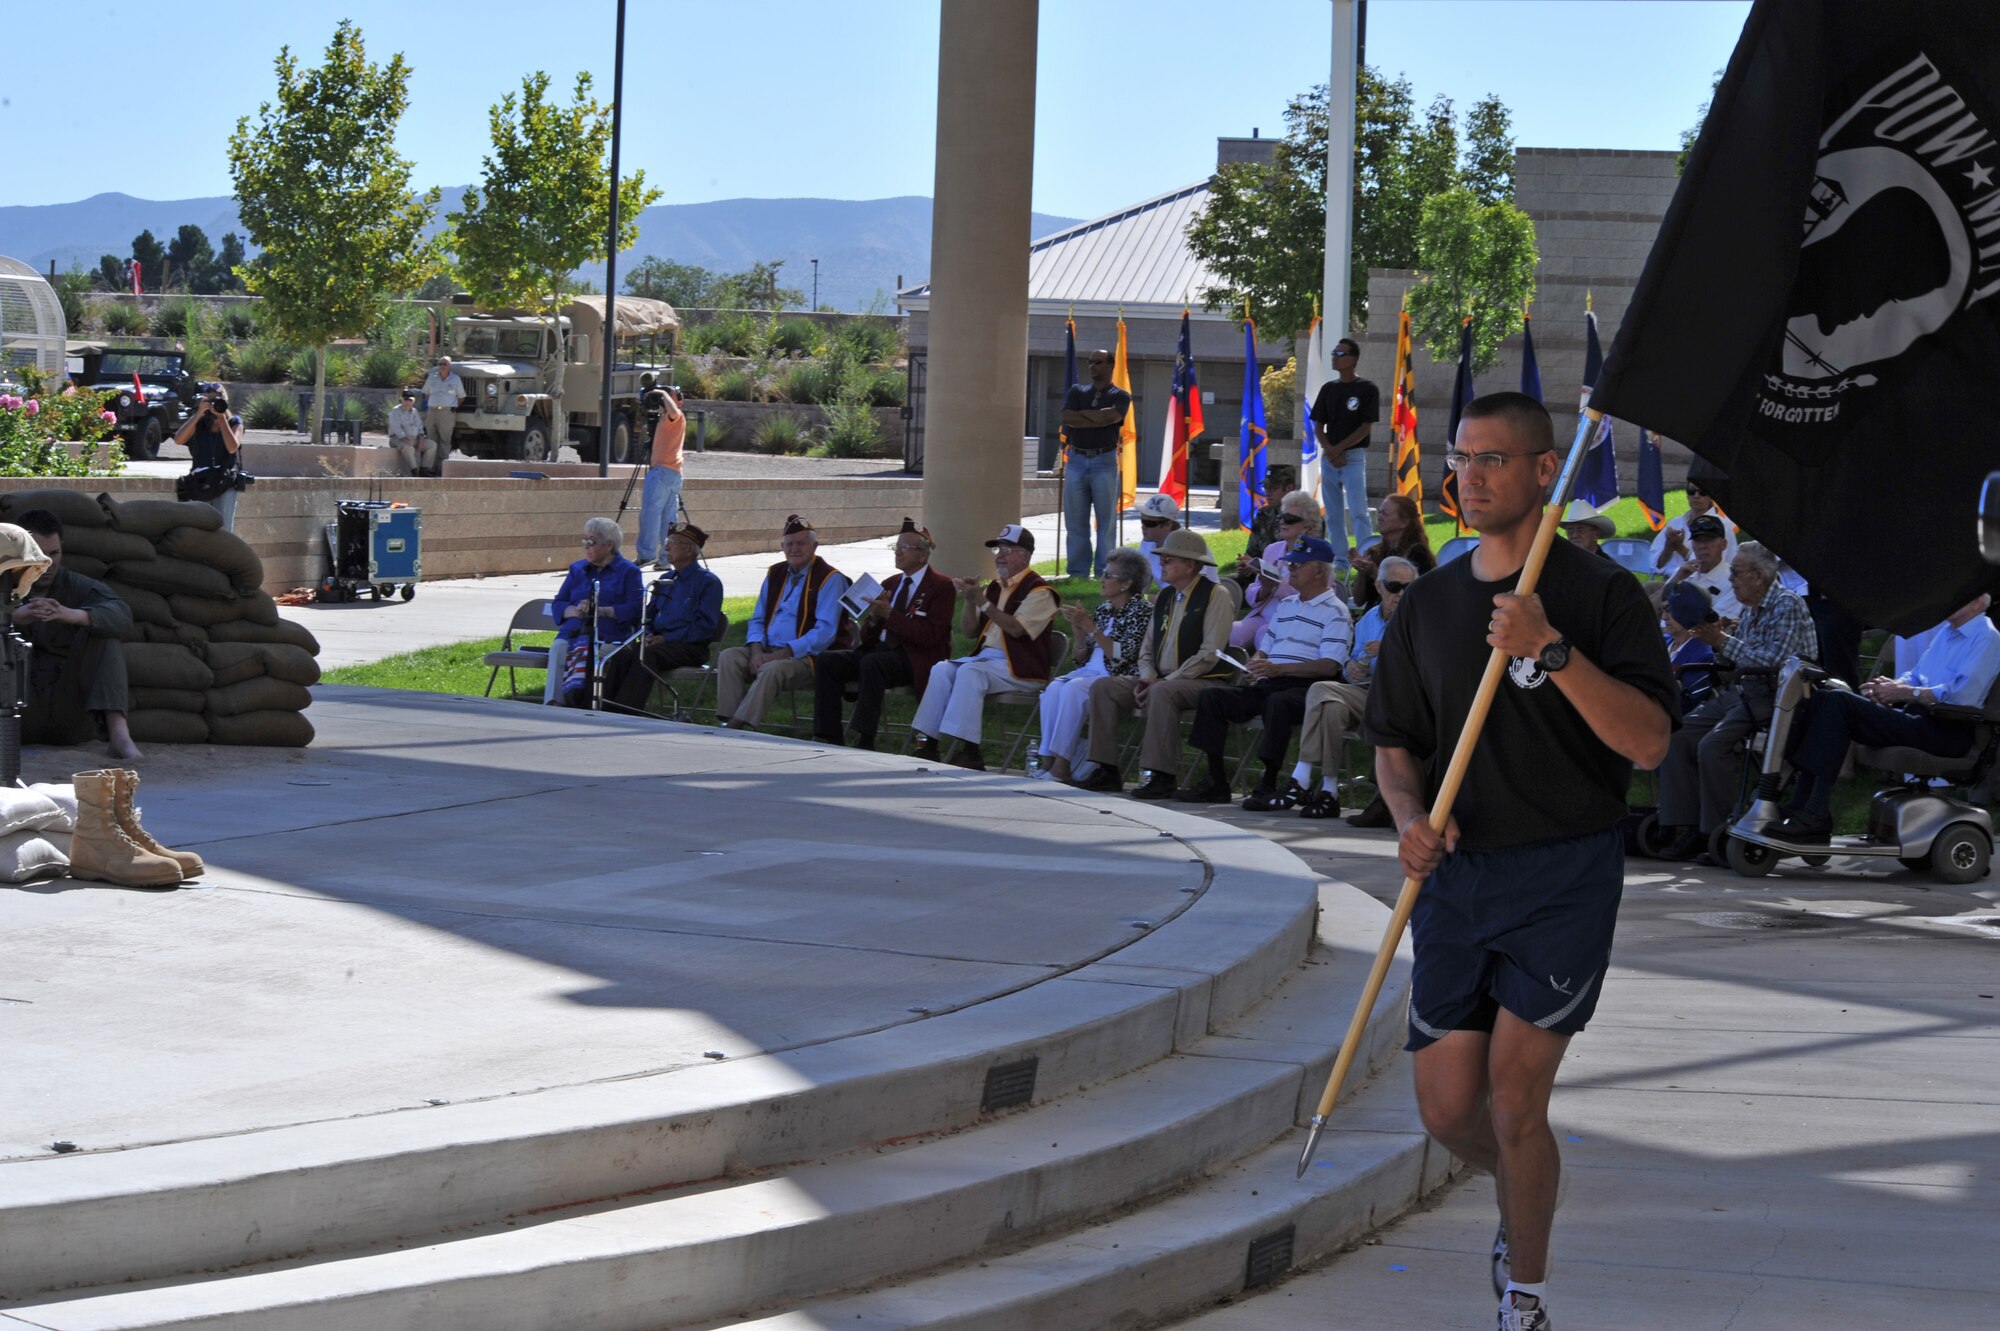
{"x":532,"y":617}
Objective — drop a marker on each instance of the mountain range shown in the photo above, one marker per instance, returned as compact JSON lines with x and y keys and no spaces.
{"x":863,"y":245}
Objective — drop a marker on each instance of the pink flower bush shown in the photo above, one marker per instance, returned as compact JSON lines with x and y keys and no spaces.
{"x":33,"y":408}
{"x":107,"y":417}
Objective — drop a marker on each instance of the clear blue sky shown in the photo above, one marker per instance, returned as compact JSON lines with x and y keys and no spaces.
{"x":787,"y":98}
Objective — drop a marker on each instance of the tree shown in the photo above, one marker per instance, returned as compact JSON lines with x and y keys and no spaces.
{"x":1489,"y":150}
{"x":326,"y":196}
{"x":756,"y":288}
{"x":227,"y":260}
{"x":111,"y":274}
{"x":1693,"y":132}
{"x":682,"y":285}
{"x":151,"y":256}
{"x":541,"y":210}
{"x":1476,"y":259}
{"x":191,"y":259}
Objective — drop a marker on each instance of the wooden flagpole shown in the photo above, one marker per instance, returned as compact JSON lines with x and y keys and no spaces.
{"x":1454,"y":776}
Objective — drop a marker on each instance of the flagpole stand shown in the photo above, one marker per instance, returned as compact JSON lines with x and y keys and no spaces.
{"x":1461,"y":759}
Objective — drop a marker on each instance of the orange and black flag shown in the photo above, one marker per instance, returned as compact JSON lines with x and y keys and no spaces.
{"x":1462,"y":392}
{"x":1403,"y":452}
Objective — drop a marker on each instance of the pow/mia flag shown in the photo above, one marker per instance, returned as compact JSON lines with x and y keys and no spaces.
{"x":1818,"y":317}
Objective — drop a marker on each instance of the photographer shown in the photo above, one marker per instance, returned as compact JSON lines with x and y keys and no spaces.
{"x":212,"y":436}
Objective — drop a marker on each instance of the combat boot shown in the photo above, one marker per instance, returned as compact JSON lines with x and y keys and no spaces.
{"x":128,"y":819}
{"x":100,"y":850}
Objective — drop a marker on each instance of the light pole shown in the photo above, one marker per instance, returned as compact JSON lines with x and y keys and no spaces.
{"x":610,"y":335}
{"x":815,"y":303}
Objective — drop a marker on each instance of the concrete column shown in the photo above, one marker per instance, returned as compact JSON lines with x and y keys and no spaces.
{"x":975,"y":403}
{"x":1339,"y":174}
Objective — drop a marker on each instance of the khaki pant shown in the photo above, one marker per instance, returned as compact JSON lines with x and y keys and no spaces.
{"x":1333,"y":709}
{"x":419,"y":452}
{"x":438,"y":424}
{"x":743,"y":697}
{"x":1116,"y":695}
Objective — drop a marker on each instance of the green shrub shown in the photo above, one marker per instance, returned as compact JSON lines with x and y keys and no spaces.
{"x":808,"y":382}
{"x":736,"y":386}
{"x":388,"y":367}
{"x":691,"y":376}
{"x":177,"y":317}
{"x":372,"y":415}
{"x":886,"y":388}
{"x":31,"y":443}
{"x":272,"y":409}
{"x":740,"y":334}
{"x":121,"y":318}
{"x":850,"y":431}
{"x":868,"y":340}
{"x":343,"y":368}
{"x":779,"y":434}
{"x":302,"y":366}
{"x":262,"y":360}
{"x":794,"y":337}
{"x":237,"y":322}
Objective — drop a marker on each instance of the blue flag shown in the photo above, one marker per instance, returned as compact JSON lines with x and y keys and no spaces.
{"x":1250,"y":450}
{"x":1531,"y":371}
{"x":1597,"y":479}
{"x":1652,"y":481}
{"x":1069,"y":368}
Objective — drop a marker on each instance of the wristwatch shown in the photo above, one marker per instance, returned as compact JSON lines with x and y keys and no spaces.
{"x":1554,"y":656}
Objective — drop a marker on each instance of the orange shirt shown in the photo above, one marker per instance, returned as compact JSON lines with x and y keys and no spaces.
{"x":667,"y":441}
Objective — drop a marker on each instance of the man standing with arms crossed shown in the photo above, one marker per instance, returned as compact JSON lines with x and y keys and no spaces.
{"x":1513,"y":927}
{"x":1344,"y":410}
{"x":443,"y":391}
{"x":1092,"y":415}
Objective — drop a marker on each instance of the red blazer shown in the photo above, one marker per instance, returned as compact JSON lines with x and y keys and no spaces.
{"x":923,"y":628}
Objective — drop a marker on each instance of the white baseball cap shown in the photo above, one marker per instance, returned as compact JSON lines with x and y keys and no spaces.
{"x":1159,"y":507}
{"x":1015,"y":534}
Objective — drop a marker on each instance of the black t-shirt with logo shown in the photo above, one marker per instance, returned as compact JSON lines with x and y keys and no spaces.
{"x":1540,"y":773}
{"x":1342,"y":407}
{"x":1088,"y":397}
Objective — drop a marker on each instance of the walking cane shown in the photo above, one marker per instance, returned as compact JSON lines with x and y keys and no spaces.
{"x":1454,"y":776}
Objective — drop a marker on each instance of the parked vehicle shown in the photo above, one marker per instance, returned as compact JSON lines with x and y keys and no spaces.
{"x":153,"y":391}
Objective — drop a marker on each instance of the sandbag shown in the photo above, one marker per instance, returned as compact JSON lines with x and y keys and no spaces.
{"x":289,"y":730}
{"x":163,"y":666}
{"x":154,"y":518}
{"x":180,"y":635}
{"x":234,"y":662}
{"x":217,"y":549}
{"x":259,"y":608}
{"x":262,"y":694}
{"x":284,"y":661}
{"x":147,"y":606}
{"x":205,"y":612}
{"x":285,"y":630}
{"x":74,"y":507}
{"x":105,"y":545}
{"x":26,"y":809}
{"x":158,"y":727}
{"x":27,"y":857}
{"x":170,"y":576}
{"x":134,"y":631}
{"x":62,"y":794}
{"x":169,"y":700}
{"x":84,"y":564}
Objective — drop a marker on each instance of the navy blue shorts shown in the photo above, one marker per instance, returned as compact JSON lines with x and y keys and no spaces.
{"x":1527,"y":928}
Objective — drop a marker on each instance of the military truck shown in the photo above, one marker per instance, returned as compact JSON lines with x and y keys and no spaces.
{"x":153,"y":391}
{"x":506,"y":356}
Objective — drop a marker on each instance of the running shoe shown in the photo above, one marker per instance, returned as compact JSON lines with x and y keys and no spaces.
{"x":1524,"y":1312}
{"x":1503,"y":1269}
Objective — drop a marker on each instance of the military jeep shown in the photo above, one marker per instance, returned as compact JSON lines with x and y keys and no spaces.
{"x":152,"y":391}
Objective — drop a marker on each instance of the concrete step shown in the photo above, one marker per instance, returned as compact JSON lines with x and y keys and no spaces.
{"x":882,"y":1213}
{"x":322,"y":1188}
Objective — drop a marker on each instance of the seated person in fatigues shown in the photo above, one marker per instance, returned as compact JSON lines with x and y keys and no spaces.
{"x":1310,"y":638}
{"x":797,"y":617}
{"x":76,"y":672}
{"x":1957,"y":669}
{"x":605,"y":587}
{"x":904,"y":632}
{"x":1334,"y":706}
{"x":681,"y":624}
{"x":1177,"y":659}
{"x":1013,"y":622}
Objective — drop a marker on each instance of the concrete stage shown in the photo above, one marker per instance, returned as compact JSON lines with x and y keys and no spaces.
{"x":470,"y":986}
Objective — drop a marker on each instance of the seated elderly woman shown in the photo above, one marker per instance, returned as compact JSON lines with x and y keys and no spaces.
{"x":604,"y":588}
{"x":1108,"y":640}
{"x":1402,"y":537}
{"x":1299,"y":516}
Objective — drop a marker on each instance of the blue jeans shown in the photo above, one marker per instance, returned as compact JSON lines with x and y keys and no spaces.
{"x":1344,"y":491}
{"x":225,"y":504}
{"x":1091,"y":483}
{"x":658,"y":504}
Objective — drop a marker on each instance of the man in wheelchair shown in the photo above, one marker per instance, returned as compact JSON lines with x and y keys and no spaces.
{"x":1932,"y":708}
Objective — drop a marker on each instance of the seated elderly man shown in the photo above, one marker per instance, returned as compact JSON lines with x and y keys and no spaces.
{"x":1586,"y":528}
{"x":76,"y":672}
{"x":1702,"y":773}
{"x":1013,"y":621}
{"x":904,"y":632}
{"x":1159,"y":515}
{"x":1958,"y":668}
{"x":1674,"y":542}
{"x":797,"y":616}
{"x":1333,"y":706}
{"x":605,"y":587}
{"x":1310,"y":638}
{"x":681,"y":624}
{"x":1179,"y":657}
{"x":1705,"y":569}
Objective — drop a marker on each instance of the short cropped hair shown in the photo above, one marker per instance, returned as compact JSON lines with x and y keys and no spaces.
{"x":40,"y":522}
{"x":1303,"y":503}
{"x":1755,"y":554}
{"x":1395,"y":563}
{"x":1528,"y":418}
{"x":1130,"y":566}
{"x":604,"y":529}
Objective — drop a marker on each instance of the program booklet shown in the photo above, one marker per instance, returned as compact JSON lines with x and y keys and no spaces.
{"x":860,"y":592}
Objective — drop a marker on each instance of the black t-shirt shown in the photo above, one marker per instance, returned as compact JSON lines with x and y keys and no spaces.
{"x":1342,"y":407}
{"x":1087,"y":397}
{"x":206,"y":447}
{"x":1539,"y":773}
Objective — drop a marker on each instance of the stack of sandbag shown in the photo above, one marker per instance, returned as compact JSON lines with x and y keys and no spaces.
{"x":35,"y":824}
{"x":209,"y":658}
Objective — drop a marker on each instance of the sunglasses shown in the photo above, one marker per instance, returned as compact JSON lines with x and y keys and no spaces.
{"x":1154,"y":522}
{"x":1291,"y":517}
{"x":1391,"y":588}
{"x":1696,"y":492}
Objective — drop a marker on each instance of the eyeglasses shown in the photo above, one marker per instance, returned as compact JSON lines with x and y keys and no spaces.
{"x":1489,"y":463}
{"x":591,"y":540}
{"x":1391,"y":588}
{"x":1290,"y":517}
{"x":1338,"y":352}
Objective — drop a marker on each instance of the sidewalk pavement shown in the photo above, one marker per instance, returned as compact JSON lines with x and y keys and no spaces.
{"x":1782,"y":1116}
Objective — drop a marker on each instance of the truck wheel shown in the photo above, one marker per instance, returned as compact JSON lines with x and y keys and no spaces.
{"x":621,"y":441}
{"x":1960,"y":854}
{"x":149,"y":440}
{"x":535,"y":443}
